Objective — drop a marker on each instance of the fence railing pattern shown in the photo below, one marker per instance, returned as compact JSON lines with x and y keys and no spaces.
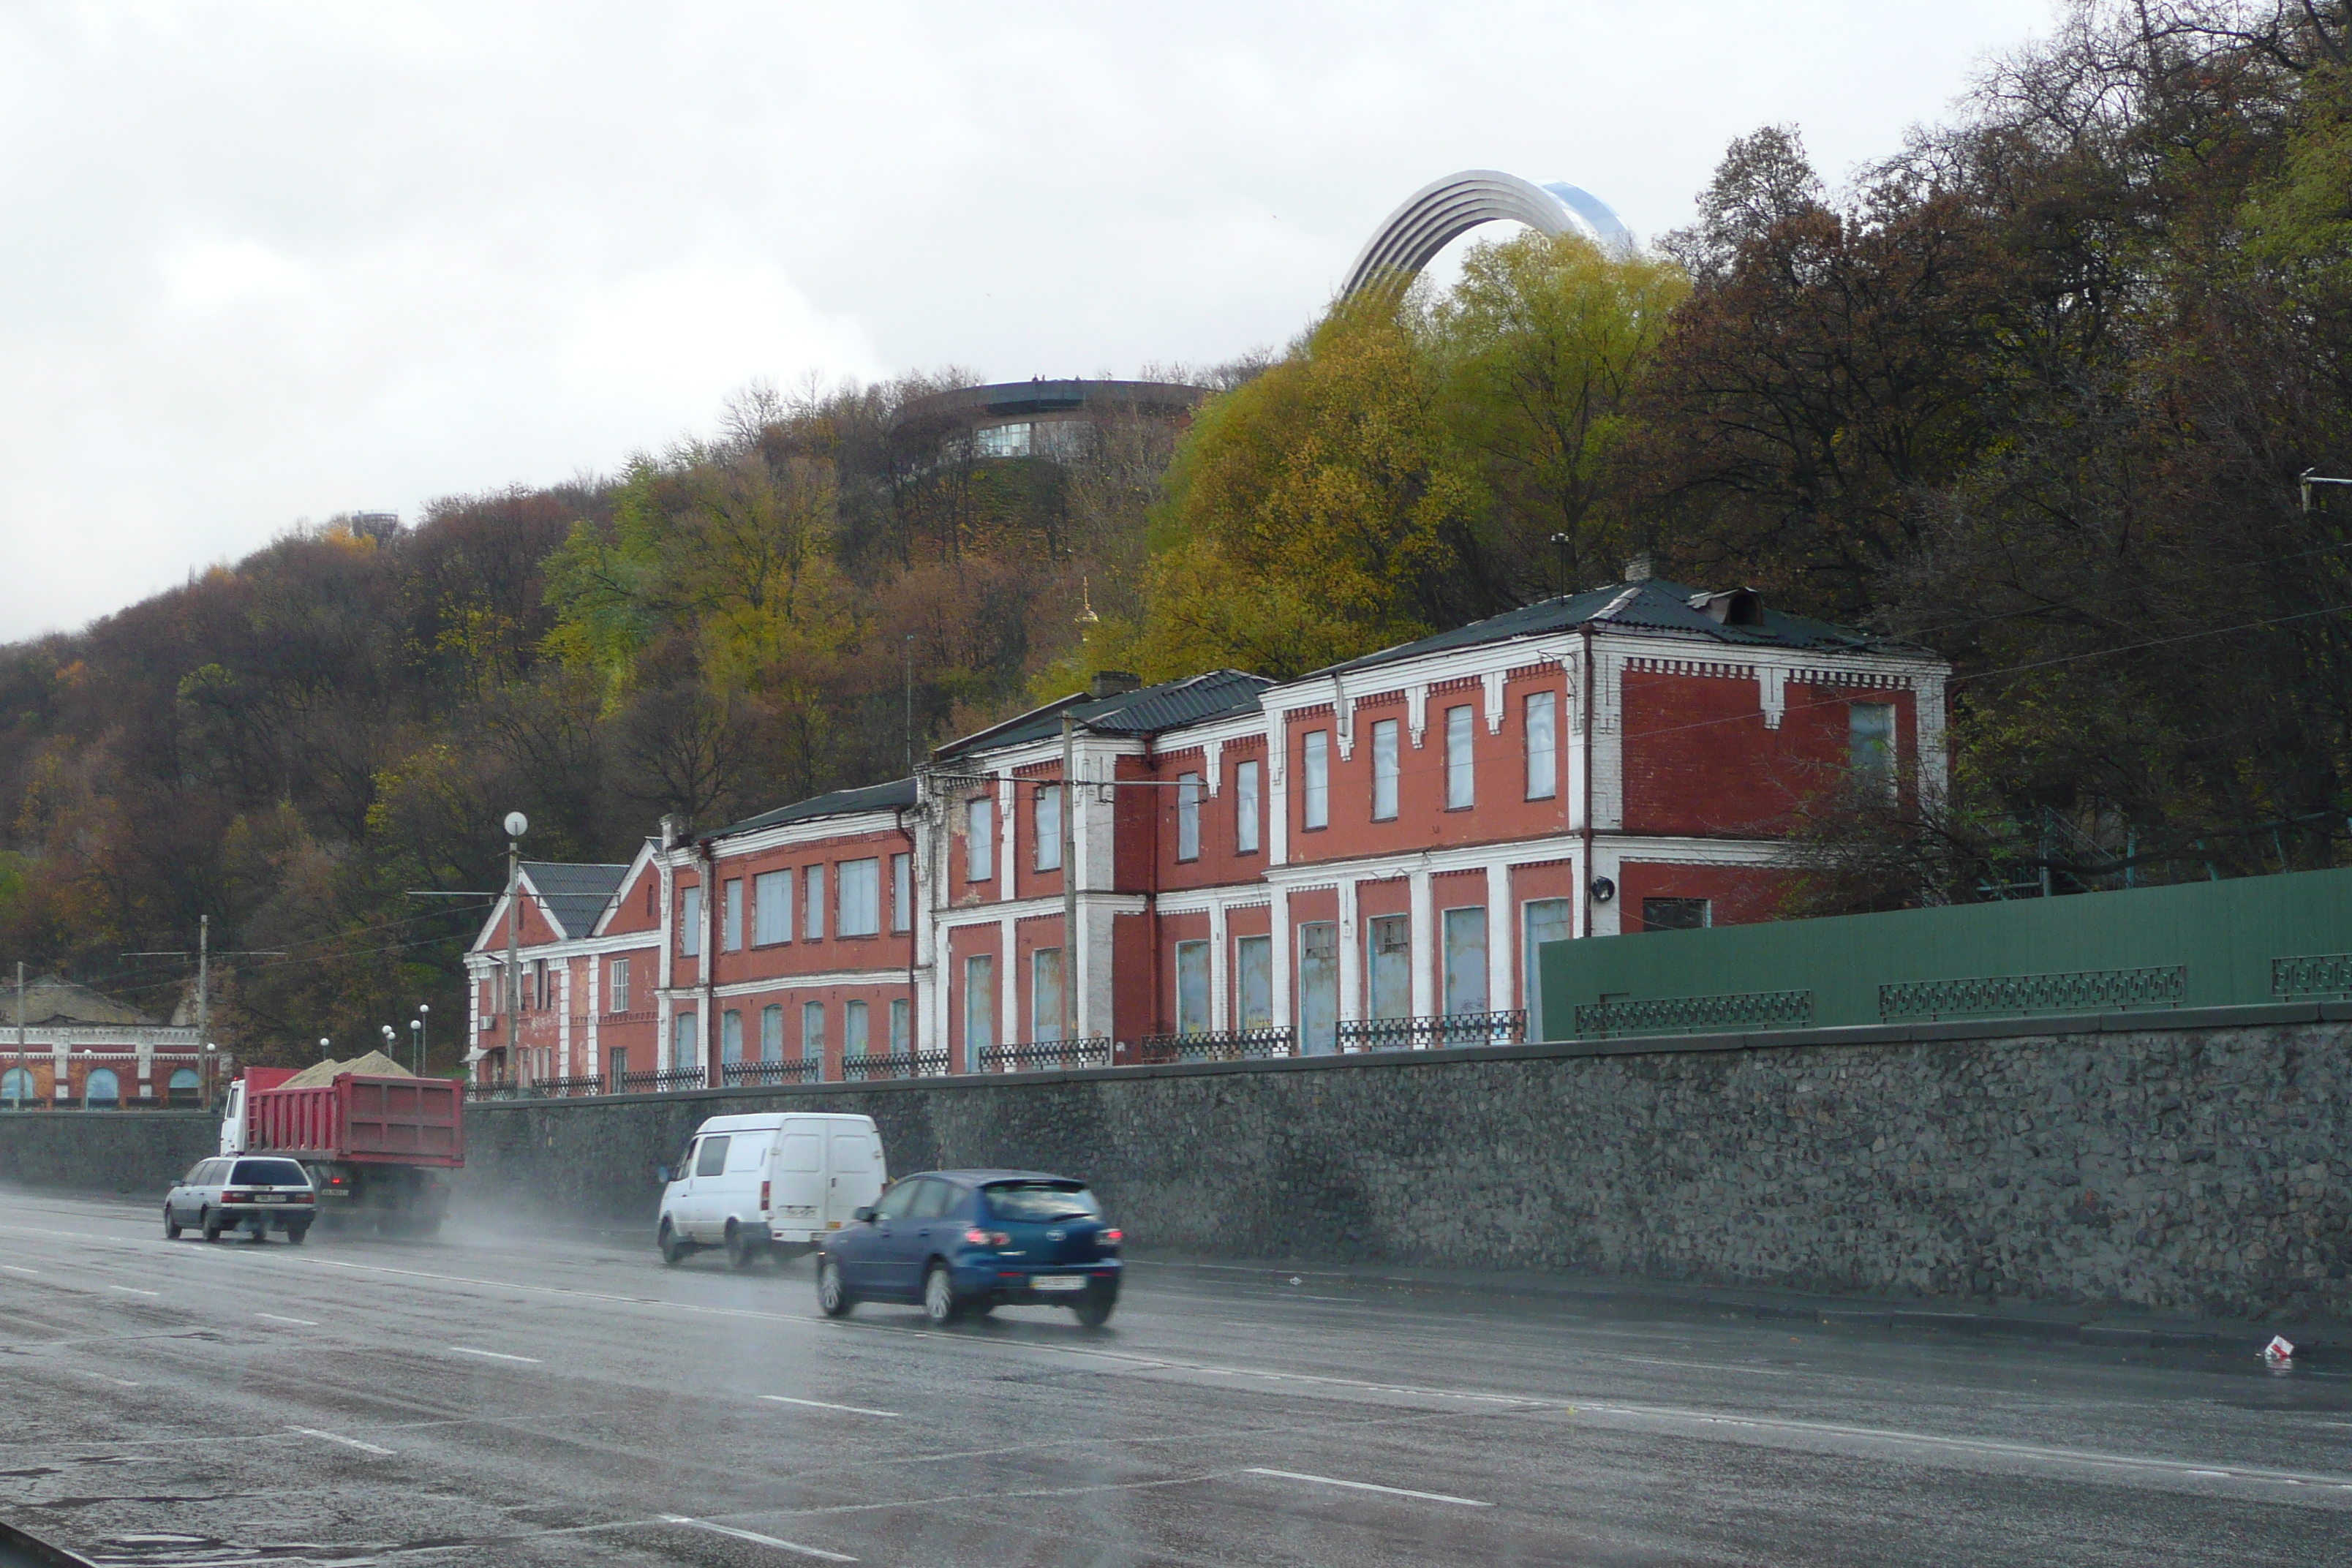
{"x":1697,"y":1015}
{"x":1223,"y":1046}
{"x":1047,"y":1056}
{"x":1433,"y":1034}
{"x":904,"y":1064}
{"x":806,"y":1072}
{"x":663,"y":1082}
{"x":2314,"y":974}
{"x":2089,"y":990}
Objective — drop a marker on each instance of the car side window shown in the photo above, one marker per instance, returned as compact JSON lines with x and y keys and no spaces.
{"x":898,"y":1200}
{"x":209,"y":1174}
{"x":713,"y":1158}
{"x":936,"y":1198}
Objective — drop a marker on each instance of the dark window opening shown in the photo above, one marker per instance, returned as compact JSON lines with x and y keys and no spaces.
{"x":1677,"y":914}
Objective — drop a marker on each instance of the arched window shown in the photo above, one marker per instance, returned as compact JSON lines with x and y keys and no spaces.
{"x":183,"y":1088}
{"x":101,"y":1087}
{"x":15,"y":1088}
{"x":183,"y":1077}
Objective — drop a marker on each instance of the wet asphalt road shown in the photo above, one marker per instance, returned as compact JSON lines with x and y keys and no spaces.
{"x":546,"y":1399}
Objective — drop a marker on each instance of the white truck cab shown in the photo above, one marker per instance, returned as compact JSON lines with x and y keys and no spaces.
{"x":232,"y":1138}
{"x":774,"y":1182}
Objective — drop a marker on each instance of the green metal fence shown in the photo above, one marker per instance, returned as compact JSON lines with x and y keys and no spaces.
{"x":2196,"y":944}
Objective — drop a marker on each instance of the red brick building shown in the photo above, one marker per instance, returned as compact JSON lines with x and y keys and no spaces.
{"x":1363,"y":857}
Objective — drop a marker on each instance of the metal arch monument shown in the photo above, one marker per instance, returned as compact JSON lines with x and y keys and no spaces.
{"x":1443,"y":210}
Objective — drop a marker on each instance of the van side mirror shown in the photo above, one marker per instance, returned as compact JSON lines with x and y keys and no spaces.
{"x":862,"y":1215}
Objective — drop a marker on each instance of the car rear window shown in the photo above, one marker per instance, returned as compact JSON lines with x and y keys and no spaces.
{"x":1041,"y":1201}
{"x":269,"y":1173}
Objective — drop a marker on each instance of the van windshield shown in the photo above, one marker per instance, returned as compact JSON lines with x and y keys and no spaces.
{"x":1041,"y":1201}
{"x":269,"y":1173}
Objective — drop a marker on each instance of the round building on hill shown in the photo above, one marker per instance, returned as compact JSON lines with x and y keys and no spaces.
{"x":1041,"y":418}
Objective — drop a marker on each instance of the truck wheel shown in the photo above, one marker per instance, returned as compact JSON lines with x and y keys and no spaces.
{"x":744,"y":1249}
{"x":170,"y":1224}
{"x":940,"y":1303}
{"x":210,"y":1224}
{"x":673,"y":1250}
{"x":833,"y":1297}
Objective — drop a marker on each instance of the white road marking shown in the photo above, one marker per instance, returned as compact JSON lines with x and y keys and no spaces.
{"x":827,"y":1404}
{"x":1368,"y":1487}
{"x":304,"y":1322}
{"x":346,"y":1442}
{"x":757,"y":1539}
{"x":494,"y":1355}
{"x":103,"y":1378}
{"x":13,"y":1269}
{"x":1700,"y":1366}
{"x":133,"y":1290}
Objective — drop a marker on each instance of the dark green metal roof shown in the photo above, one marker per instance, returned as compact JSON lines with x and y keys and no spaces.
{"x":891,"y":797}
{"x":1144,"y":711}
{"x":573,"y":895}
{"x":1655,"y":608}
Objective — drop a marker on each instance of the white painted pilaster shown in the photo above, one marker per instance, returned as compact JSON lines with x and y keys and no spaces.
{"x":596,"y":962}
{"x":1010,"y":983}
{"x":1502,"y":938}
{"x":1423,"y":936}
{"x":1278,"y":788}
{"x":1220,"y":1002}
{"x":1493,"y":681}
{"x":1285,"y":947}
{"x":1351,"y":956}
{"x":1008,"y":802}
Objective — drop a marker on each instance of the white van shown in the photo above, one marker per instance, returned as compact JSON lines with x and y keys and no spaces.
{"x":776,"y":1181}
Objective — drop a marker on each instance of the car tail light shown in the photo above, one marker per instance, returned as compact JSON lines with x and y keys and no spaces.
{"x":236,"y":1197}
{"x":987,"y":1238}
{"x":1113,"y":1238}
{"x":763,"y":1197}
{"x":306,"y":1198}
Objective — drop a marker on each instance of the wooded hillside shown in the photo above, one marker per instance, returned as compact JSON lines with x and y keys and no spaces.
{"x":2036,"y":390}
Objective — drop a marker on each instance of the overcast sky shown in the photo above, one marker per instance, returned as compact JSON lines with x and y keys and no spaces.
{"x":264,"y":261}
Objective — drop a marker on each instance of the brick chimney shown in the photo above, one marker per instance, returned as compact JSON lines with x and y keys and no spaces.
{"x":1640,"y":569}
{"x":1114,"y":683}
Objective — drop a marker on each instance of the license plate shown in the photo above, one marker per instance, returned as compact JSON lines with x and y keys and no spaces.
{"x":267,"y":1198}
{"x":1058,"y":1282}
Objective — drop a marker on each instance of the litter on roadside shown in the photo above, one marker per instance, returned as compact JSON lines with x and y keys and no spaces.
{"x":2278,"y":1352}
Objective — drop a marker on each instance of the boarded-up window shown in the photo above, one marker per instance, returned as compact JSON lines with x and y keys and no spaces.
{"x":812,"y":903}
{"x":689,"y":922}
{"x":1547,"y":920}
{"x":813,"y":1031}
{"x":1318,"y":988}
{"x":1388,"y":946}
{"x":772,"y":908}
{"x":730,"y":922}
{"x":1045,"y":994}
{"x":1461,"y":791}
{"x":1543,"y":745}
{"x":979,"y":839}
{"x":730,"y":1036}
{"x":1385,"y":768}
{"x":771,"y":1032}
{"x":978,"y":1008}
{"x":1254,"y":981}
{"x":1188,"y":817}
{"x":1465,"y":960}
{"x":1245,"y":807}
{"x":1049,"y":827}
{"x":854,"y":1032}
{"x":1192,"y":987}
{"x":861,"y":899}
{"x":1315,"y":792}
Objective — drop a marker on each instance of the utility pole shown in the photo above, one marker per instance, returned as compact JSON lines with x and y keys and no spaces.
{"x":203,"y":1012}
{"x":910,"y":704}
{"x":517,"y":823}
{"x":1068,"y":815}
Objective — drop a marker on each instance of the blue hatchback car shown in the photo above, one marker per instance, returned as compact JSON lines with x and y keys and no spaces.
{"x":970,"y":1241}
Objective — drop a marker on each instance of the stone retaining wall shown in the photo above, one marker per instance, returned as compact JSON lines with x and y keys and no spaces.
{"x":2189,"y":1164}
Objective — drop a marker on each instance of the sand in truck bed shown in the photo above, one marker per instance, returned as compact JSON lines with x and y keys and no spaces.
{"x":319,"y":1074}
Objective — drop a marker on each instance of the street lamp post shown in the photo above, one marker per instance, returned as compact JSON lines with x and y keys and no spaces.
{"x":424,"y":1036}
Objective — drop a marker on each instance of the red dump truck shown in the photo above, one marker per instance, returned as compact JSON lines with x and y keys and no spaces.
{"x":372,"y":1144}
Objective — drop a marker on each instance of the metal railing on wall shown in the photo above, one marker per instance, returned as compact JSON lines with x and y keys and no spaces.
{"x":902,"y":1064}
{"x":1433,"y":1034}
{"x":805,"y":1071}
{"x":1698,"y":1015}
{"x":1220,"y":1046}
{"x":2082,"y":991}
{"x":1047,"y":1056}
